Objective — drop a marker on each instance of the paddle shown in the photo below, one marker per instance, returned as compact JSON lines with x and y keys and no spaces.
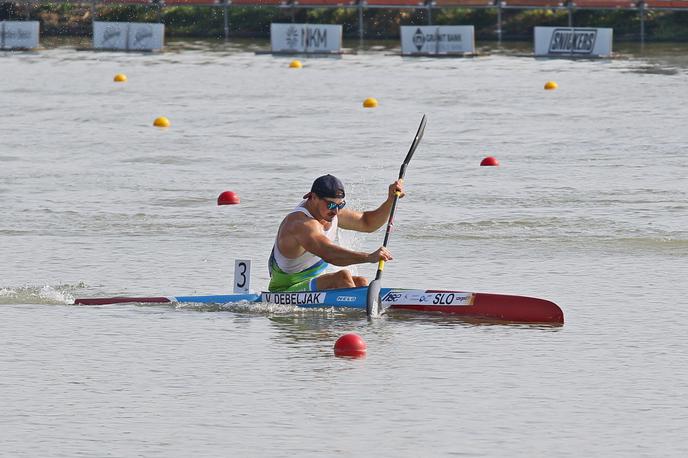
{"x":373,"y":304}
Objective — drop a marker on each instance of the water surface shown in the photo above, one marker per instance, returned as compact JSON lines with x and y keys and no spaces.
{"x":588,"y":209}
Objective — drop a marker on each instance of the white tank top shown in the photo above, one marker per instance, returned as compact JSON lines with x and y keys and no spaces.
{"x":307,"y":259}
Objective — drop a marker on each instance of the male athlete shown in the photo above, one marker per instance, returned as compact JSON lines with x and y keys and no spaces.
{"x":305,"y":246}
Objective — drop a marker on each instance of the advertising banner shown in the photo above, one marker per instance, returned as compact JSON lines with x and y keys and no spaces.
{"x":19,"y":34}
{"x":145,"y":36}
{"x":573,"y":42}
{"x":128,"y":36}
{"x":437,"y":40}
{"x":306,"y":38}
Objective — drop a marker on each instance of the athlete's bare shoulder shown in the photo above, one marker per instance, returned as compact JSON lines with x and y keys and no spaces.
{"x":298,"y":222}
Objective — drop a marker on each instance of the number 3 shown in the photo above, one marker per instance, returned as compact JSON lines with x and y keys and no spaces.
{"x":242,"y":283}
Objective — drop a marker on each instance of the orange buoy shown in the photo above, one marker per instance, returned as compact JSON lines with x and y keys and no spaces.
{"x":295,"y":64}
{"x":489,"y":161}
{"x":370,"y":102}
{"x":120,"y":78}
{"x":228,"y":198}
{"x":350,"y":345}
{"x":551,"y":85}
{"x":161,"y":122}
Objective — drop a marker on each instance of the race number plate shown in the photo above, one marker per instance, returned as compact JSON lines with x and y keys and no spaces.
{"x":242,"y":276}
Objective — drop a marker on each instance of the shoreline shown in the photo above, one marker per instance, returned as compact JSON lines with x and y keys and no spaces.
{"x":254,"y":22}
{"x":259,"y":46}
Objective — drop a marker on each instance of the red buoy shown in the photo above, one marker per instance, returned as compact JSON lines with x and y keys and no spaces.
{"x":350,"y":345}
{"x":489,"y":160}
{"x":228,"y":198}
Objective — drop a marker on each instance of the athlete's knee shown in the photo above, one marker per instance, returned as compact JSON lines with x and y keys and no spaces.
{"x":345,"y":279}
{"x":344,"y":274}
{"x":360,"y":281}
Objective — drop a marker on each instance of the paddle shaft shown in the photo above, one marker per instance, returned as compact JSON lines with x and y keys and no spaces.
{"x":390,"y":223}
{"x":373,"y":298}
{"x":402,"y":172}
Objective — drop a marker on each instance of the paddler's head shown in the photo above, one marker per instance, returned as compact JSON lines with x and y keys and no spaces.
{"x":327,"y":195}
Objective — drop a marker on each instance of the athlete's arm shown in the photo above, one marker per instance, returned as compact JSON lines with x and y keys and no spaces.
{"x":372,"y":220}
{"x":310,"y":236}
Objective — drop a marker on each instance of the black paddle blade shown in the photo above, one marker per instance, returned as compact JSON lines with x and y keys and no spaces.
{"x":373,"y":308}
{"x":414,"y":145}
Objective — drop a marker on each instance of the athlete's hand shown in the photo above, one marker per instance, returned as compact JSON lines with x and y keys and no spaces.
{"x":381,"y":253}
{"x":396,"y":186}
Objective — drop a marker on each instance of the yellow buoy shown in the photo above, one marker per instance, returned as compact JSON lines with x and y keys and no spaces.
{"x":161,"y":122}
{"x":551,"y":85}
{"x":370,"y":103}
{"x":295,"y":64}
{"x":120,"y":78}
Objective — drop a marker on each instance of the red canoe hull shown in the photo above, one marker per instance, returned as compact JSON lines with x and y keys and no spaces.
{"x":499,"y":307}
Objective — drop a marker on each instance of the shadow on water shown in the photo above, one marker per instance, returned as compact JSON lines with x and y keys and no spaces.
{"x":455,"y":321}
{"x":328,"y":324}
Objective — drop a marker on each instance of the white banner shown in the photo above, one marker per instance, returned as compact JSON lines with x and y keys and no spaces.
{"x":573,"y":42}
{"x":145,"y":36}
{"x":306,"y":38}
{"x":110,"y":35}
{"x":136,"y":36}
{"x":437,"y":40}
{"x":19,"y":34}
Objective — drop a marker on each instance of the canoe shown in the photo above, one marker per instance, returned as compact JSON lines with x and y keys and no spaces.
{"x":494,"y":307}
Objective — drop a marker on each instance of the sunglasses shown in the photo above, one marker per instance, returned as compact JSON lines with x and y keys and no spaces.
{"x":332,"y":205}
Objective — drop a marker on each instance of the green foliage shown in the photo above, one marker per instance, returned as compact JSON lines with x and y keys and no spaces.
{"x":347,"y":17}
{"x":482,"y":19}
{"x":249,"y":21}
{"x":669,"y":26}
{"x":193,"y":21}
{"x":128,"y":13}
{"x":71,"y":18}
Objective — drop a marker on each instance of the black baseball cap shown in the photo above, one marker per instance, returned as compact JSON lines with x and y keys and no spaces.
{"x":328,"y":186}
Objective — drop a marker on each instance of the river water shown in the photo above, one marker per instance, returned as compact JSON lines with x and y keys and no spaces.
{"x":588,"y":209}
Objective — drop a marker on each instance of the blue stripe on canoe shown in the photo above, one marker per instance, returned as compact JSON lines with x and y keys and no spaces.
{"x":344,"y":297}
